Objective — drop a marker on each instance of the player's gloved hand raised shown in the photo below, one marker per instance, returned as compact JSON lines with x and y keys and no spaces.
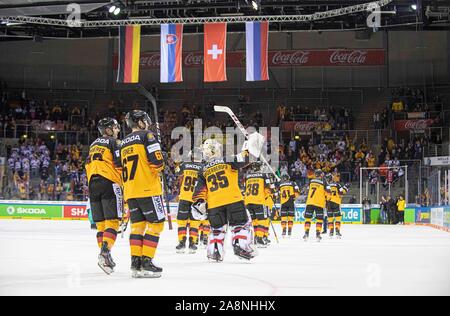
{"x":199,"y":210}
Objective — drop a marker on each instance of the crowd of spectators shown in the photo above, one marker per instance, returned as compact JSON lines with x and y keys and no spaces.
{"x":333,"y":119}
{"x":407,"y":99}
{"x":37,"y":172}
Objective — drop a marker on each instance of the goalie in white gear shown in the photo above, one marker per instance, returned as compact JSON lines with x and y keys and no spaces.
{"x":219,"y":195}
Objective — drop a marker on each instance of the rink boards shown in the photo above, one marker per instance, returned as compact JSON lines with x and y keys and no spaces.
{"x":438,"y":217}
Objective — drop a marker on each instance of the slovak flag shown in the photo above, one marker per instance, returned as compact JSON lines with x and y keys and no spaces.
{"x":257,"y":41}
{"x":171,"y":53}
{"x":214,"y":50}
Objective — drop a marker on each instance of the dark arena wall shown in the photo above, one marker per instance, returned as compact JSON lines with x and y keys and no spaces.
{"x":412,"y":58}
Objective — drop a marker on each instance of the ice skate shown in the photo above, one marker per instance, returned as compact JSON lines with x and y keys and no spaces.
{"x":216,"y":256}
{"x":243,"y":254}
{"x":105,"y":261}
{"x":192,"y":246}
{"x":136,"y":267}
{"x":149,"y":269}
{"x":338,"y":234}
{"x":260,"y":242}
{"x":181,"y":248}
{"x":331,"y":234}
{"x":267,"y":240}
{"x":318,"y":237}
{"x":305,"y":237}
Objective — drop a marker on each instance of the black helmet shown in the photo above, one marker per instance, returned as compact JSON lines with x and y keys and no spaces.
{"x":256,"y":166}
{"x":318,"y":173}
{"x":285,"y":177}
{"x":329,"y":177}
{"x":132,"y":118}
{"x":105,"y":123}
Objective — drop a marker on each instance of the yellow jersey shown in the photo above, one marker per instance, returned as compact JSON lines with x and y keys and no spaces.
{"x":255,"y":188}
{"x":336,"y":192}
{"x":188,"y":174}
{"x":401,"y":205}
{"x":316,"y":193}
{"x":269,"y":201}
{"x":142,"y":161}
{"x":218,"y":182}
{"x":104,"y":159}
{"x":289,"y":191}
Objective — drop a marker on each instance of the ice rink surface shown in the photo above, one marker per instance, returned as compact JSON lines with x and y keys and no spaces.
{"x":59,"y":258}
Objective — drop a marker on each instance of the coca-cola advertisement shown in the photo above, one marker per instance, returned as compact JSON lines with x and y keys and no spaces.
{"x":281,"y":58}
{"x":408,"y":125}
{"x":300,"y":127}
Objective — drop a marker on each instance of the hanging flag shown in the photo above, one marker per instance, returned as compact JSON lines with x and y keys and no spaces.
{"x":257,"y":42}
{"x":171,"y":53}
{"x":129,"y":53}
{"x":215,"y":47}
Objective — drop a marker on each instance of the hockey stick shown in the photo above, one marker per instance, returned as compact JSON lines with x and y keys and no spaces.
{"x":152,"y":100}
{"x":225,"y":109}
{"x":274,"y":231}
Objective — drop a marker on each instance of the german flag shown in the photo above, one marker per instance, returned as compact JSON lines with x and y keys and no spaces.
{"x":129,"y":53}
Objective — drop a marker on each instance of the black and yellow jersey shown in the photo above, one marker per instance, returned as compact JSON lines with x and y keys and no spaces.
{"x":255,"y":188}
{"x":218,"y":181}
{"x":142,"y":161}
{"x":317,"y":193}
{"x":289,"y":191}
{"x":269,"y":198}
{"x":188,"y":174}
{"x":104,"y":159}
{"x":336,"y":192}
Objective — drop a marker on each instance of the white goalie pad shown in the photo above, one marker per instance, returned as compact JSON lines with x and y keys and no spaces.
{"x":254,"y":144}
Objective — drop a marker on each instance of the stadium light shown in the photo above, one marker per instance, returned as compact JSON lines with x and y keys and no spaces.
{"x":117,"y":11}
{"x":112,"y":9}
{"x":414,"y":7}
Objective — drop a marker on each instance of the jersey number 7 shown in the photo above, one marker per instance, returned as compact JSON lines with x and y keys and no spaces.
{"x":134,"y":159}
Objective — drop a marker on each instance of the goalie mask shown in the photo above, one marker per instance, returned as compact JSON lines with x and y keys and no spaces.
{"x":211,"y":149}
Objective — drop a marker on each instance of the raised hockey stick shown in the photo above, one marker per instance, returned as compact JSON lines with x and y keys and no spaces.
{"x":225,"y":109}
{"x":152,"y":100}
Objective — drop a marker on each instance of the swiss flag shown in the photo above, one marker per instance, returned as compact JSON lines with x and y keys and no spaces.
{"x":215,"y":48}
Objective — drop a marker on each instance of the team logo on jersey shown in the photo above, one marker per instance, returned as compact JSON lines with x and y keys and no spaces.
{"x":151,"y":137}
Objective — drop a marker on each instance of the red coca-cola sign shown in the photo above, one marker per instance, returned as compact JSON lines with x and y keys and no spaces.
{"x":300,"y":127}
{"x":281,"y":58}
{"x":289,"y":58}
{"x":406,"y":125}
{"x":349,"y":57}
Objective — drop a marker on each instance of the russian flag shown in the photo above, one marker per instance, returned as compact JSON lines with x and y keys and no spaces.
{"x":257,"y":42}
{"x":171,"y":53}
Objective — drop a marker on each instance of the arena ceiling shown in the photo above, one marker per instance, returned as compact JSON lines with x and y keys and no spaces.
{"x":428,"y":14}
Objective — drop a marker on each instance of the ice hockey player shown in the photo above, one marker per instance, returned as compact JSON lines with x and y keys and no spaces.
{"x":334,"y":201}
{"x":289,"y":192}
{"x":142,"y":161}
{"x":256,"y":184}
{"x":315,"y":203}
{"x":218,"y":195}
{"x":105,"y":191}
{"x":269,"y":206}
{"x":188,"y":175}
